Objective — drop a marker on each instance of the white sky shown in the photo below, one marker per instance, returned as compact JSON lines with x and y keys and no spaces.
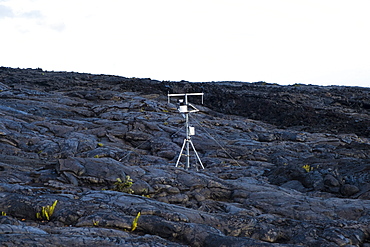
{"x":323,"y":42}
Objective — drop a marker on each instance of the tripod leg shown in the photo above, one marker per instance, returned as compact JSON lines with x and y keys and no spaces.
{"x":196,"y":153}
{"x":182,"y":150}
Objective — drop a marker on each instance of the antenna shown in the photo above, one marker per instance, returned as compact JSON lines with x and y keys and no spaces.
{"x":185,"y":108}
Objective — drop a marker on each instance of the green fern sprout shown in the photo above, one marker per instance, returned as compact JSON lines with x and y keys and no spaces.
{"x":124,"y":186}
{"x":46,"y":212}
{"x":134,"y":222}
{"x":308,"y":168}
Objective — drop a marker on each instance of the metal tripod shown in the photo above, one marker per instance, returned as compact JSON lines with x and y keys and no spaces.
{"x":187,"y":142}
{"x":184,"y":109}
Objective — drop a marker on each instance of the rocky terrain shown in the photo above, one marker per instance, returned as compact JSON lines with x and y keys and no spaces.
{"x":89,"y":160}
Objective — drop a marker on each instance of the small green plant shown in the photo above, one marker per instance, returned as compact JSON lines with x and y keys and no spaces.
{"x":297,"y":85}
{"x":95,"y":222}
{"x":308,"y":168}
{"x":124,"y":186}
{"x":134,"y":222}
{"x":100,"y":144}
{"x":3,"y":213}
{"x":46,"y":212}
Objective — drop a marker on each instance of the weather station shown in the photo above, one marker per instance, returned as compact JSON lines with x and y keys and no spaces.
{"x":185,"y":108}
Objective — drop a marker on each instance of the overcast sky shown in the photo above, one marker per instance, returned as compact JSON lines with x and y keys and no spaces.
{"x":323,"y":42}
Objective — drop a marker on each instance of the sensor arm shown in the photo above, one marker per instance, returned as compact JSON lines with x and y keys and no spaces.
{"x":195,"y":109}
{"x":185,"y":95}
